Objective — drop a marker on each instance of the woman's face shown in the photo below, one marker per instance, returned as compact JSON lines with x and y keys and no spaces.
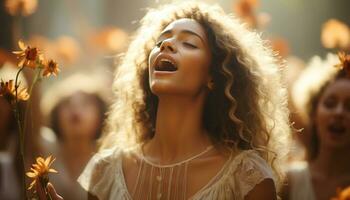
{"x":333,"y":115}
{"x":179,"y":63}
{"x":79,"y":117}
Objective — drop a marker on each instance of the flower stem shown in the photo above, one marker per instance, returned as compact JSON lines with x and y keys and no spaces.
{"x":17,"y":111}
{"x":21,"y":134}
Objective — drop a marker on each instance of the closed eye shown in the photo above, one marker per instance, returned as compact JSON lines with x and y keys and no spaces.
{"x":190,"y":45}
{"x":159,"y":43}
{"x":330,"y":103}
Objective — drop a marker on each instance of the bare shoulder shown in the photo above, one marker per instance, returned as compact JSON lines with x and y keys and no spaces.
{"x":130,"y":166}
{"x":130,"y":161}
{"x":265,"y":190}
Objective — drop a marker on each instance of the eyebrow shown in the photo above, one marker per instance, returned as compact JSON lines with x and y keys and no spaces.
{"x":183,"y":31}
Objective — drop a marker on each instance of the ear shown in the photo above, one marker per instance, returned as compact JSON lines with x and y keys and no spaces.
{"x":210,"y":79}
{"x":210,"y":83}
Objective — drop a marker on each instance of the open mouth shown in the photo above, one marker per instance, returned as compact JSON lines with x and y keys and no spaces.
{"x":166,"y":66}
{"x":337,"y":129}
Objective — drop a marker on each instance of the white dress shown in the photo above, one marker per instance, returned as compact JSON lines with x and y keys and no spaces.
{"x":104,"y":178}
{"x":300,"y":182}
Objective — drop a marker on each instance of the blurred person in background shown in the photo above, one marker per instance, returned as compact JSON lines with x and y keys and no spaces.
{"x":322,"y":98}
{"x":75,"y":108}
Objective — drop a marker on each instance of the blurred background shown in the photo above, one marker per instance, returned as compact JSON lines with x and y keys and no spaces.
{"x":85,"y":37}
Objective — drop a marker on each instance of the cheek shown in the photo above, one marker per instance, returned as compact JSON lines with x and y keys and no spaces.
{"x":322,"y":116}
{"x":321,"y":113}
{"x":152,"y":56}
{"x":91,"y":119}
{"x":63,"y":119}
{"x":195,"y":68}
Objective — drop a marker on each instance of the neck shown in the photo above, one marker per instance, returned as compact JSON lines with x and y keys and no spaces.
{"x":76,"y":154}
{"x":73,"y":148}
{"x":179,"y":130}
{"x":332,"y":162}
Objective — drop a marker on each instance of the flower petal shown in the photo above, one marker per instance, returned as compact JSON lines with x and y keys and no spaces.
{"x":35,"y":166}
{"x":17,"y":52}
{"x":21,"y":45}
{"x":31,"y":174}
{"x":46,"y":73}
{"x":39,"y":160}
{"x":31,"y":64}
{"x":52,"y":160}
{"x":20,"y":64}
{"x":53,"y":170}
{"x":32,"y":184}
{"x":48,"y":160}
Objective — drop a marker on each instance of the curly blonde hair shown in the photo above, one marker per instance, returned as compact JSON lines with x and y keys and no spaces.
{"x":247,"y":108}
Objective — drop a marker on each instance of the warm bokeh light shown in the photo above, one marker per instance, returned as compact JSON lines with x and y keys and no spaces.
{"x":22,"y":7}
{"x":335,"y":34}
{"x":111,"y":39}
{"x":67,"y":49}
{"x":281,"y":46}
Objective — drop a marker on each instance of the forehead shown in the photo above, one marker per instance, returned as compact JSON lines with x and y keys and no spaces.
{"x":186,"y":24}
{"x":339,"y":87}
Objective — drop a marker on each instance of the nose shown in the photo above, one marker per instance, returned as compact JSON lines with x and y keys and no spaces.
{"x":168,"y":45}
{"x":339,"y":110}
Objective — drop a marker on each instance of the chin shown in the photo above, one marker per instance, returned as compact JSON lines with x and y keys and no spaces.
{"x":337,"y":143}
{"x":167,"y":87}
{"x":158,"y":88}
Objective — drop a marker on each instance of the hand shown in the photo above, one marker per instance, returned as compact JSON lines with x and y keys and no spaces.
{"x":50,"y":190}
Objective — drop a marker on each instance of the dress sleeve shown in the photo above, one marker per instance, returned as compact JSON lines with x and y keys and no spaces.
{"x":98,"y":175}
{"x":252,"y":170}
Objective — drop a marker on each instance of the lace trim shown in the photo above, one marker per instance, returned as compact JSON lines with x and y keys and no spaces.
{"x":143,"y":157}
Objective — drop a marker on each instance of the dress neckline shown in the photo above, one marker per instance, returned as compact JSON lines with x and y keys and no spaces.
{"x":143,"y":157}
{"x":233,"y":160}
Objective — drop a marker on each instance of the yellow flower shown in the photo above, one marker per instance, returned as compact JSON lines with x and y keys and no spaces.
{"x":344,"y":62}
{"x":342,"y":194}
{"x":8,"y":91}
{"x":50,"y":67}
{"x":40,"y":170}
{"x":29,"y":55}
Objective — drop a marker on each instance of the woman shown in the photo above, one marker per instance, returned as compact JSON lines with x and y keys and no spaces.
{"x":199,"y":113}
{"x":76,"y":108}
{"x":322,"y":96}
